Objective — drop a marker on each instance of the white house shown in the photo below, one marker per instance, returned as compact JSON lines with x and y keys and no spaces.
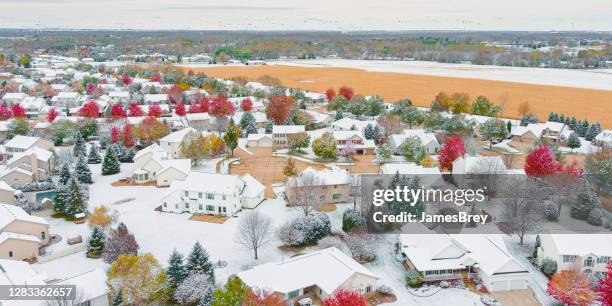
{"x":604,"y":139}
{"x":155,"y":98}
{"x":172,"y":142}
{"x":281,"y":133}
{"x":22,"y":143}
{"x":122,"y":97}
{"x":213,"y":194}
{"x":319,"y":273}
{"x":347,"y":124}
{"x":7,"y":193}
{"x":259,"y":141}
{"x":448,"y":257}
{"x":428,"y":141}
{"x":198,"y":121}
{"x":590,"y":252}
{"x":354,"y":139}
{"x":21,"y":235}
{"x":11,"y":98}
{"x":478,"y":165}
{"x":37,"y":161}
{"x":153,"y":164}
{"x":67,"y":99}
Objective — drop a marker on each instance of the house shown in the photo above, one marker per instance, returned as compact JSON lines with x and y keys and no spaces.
{"x":90,"y":285}
{"x":319,"y":120}
{"x":122,"y":97}
{"x":355,"y":140}
{"x":11,"y":98}
{"x":281,"y":133}
{"x":34,"y":106}
{"x":222,"y":194}
{"x":529,"y":134}
{"x":261,"y":118}
{"x":198,"y":121}
{"x":448,"y":257}
{"x":589,"y":253}
{"x":38,"y":161}
{"x":259,"y":141}
{"x":172,"y":142}
{"x":428,"y":141}
{"x":316,"y":274}
{"x":8,"y":194}
{"x":554,"y":131}
{"x":329,"y":185}
{"x":478,"y":165}
{"x":408,"y":168}
{"x":153,"y":165}
{"x":155,"y":98}
{"x":21,"y":235}
{"x":67,"y":99}
{"x":603,"y":139}
{"x":21,"y":143}
{"x":347,"y":124}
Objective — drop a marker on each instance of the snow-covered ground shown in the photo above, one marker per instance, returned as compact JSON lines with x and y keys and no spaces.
{"x":594,"y":79}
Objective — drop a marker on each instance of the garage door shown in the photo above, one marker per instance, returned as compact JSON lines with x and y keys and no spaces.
{"x":518,"y":284}
{"x":499,"y":285}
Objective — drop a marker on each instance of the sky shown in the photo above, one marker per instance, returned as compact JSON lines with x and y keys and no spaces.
{"x":342,"y":15}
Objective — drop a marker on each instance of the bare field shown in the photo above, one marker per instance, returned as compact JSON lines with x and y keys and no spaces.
{"x":596,"y":105}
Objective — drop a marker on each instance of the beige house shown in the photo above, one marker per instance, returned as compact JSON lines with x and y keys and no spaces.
{"x":7,"y":193}
{"x":589,"y":253}
{"x":354,"y":140}
{"x":21,"y":143}
{"x":198,"y":121}
{"x":21,"y":235}
{"x":37,"y":161}
{"x":317,"y":274}
{"x":281,"y":133}
{"x":259,"y":141}
{"x":326,"y":186}
{"x":171,"y":143}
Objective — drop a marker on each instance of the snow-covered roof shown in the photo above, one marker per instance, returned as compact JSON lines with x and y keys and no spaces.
{"x":604,"y":136}
{"x":153,"y":148}
{"x":333,"y":176}
{"x":182,"y":165}
{"x":347,"y":123}
{"x":22,"y":142}
{"x":288,"y":129}
{"x":304,"y":271}
{"x":426,"y":138}
{"x":41,"y":154}
{"x":10,"y":213}
{"x":179,"y":135}
{"x":580,"y":245}
{"x":15,"y":272}
{"x":68,"y":95}
{"x":480,"y":164}
{"x":318,"y":117}
{"x":214,"y":183}
{"x":344,"y":135}
{"x":537,"y":129}
{"x":197,"y":116}
{"x":6,"y":187}
{"x":258,"y":136}
{"x":119,"y":94}
{"x":253,"y":187}
{"x":155,"y":97}
{"x":92,"y":283}
{"x":14,"y":96}
{"x":554,"y":126}
{"x":17,"y":236}
{"x":408,"y":168}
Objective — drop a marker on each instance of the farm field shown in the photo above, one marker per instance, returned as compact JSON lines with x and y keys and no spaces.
{"x":592,"y":104}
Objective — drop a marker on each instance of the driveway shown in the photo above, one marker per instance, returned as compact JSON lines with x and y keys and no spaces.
{"x":516,"y":298}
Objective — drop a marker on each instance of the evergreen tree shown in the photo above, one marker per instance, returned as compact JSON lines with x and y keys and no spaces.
{"x":573,"y":123}
{"x":251,"y":129}
{"x":94,"y":156}
{"x":289,"y":121}
{"x":563,"y":119}
{"x":82,"y":171}
{"x":75,"y":202}
{"x":509,"y":126}
{"x":551,"y":116}
{"x":591,"y":133}
{"x":198,"y":261}
{"x":269,"y":127}
{"x":369,"y":132}
{"x":302,"y":104}
{"x":110,"y":165}
{"x":79,"y":144}
{"x":59,"y":201}
{"x":339,"y":114}
{"x":118,"y":300}
{"x":573,"y":141}
{"x":176,"y":272}
{"x":95,"y":245}
{"x":585,"y":202}
{"x":584,"y":127}
{"x":64,"y":175}
{"x":246,"y":119}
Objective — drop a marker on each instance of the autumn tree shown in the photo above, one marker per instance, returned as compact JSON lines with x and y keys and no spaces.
{"x":325,"y":146}
{"x":460,"y":103}
{"x":90,"y":109}
{"x":279,"y":108}
{"x":453,"y":148}
{"x":541,"y":162}
{"x":441,"y":102}
{"x":100,"y":217}
{"x":246,"y":105}
{"x":297,"y":141}
{"x":604,"y":287}
{"x":262,"y":298}
{"x":347,"y":92}
{"x":151,"y":130}
{"x":290,"y":169}
{"x":330,"y":94}
{"x":175,"y":94}
{"x":52,"y":114}
{"x":137,"y":277}
{"x":571,"y":287}
{"x":5,"y":112}
{"x":180,"y":109}
{"x":117,"y":111}
{"x":120,"y":242}
{"x":155,"y":110}
{"x":134,"y":110}
{"x":195,"y":149}
{"x":523,"y":109}
{"x":231,"y":137}
{"x":232,"y":293}
{"x":344,"y":297}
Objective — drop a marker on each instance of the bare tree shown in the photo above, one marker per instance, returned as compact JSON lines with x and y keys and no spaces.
{"x":254,"y":231}
{"x":390,"y":124}
{"x":486,"y":173}
{"x":79,"y":299}
{"x":303,"y":192}
{"x":522,"y":209}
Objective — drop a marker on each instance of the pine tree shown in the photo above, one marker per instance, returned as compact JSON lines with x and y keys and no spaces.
{"x":584,"y":127}
{"x":573,"y":141}
{"x":82,"y":171}
{"x":75,"y":203}
{"x":551,"y":116}
{"x":251,"y":129}
{"x":246,"y":119}
{"x":94,"y":156}
{"x":64,"y":175}
{"x":585,"y":202}
{"x":573,"y":123}
{"x":509,"y":126}
{"x":591,"y":133}
{"x":339,"y":114}
{"x":563,"y":119}
{"x":59,"y":201}
{"x":199,"y":262}
{"x":369,"y":132}
{"x":79,"y":144}
{"x":110,"y":165}
{"x":118,"y":300}
{"x":176,"y":272}
{"x":269,"y":127}
{"x":95,"y":245}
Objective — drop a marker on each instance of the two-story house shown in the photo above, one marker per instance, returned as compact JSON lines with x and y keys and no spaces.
{"x":355,"y":140}
{"x":21,"y":143}
{"x":589,"y":252}
{"x":280,"y":134}
{"x":21,"y":235}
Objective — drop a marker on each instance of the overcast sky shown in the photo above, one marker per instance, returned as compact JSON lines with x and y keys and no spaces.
{"x":345,"y":15}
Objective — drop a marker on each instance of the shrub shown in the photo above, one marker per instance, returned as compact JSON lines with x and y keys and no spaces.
{"x":549,"y":266}
{"x":385,"y":290}
{"x":305,"y":230}
{"x":352,"y":220}
{"x":414,"y":278}
{"x":551,"y":212}
{"x":595,"y":217}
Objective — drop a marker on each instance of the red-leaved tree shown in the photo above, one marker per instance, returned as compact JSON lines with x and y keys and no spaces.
{"x":346,"y":92}
{"x":5,"y":112}
{"x":91,"y":87}
{"x":155,"y":110}
{"x":604,"y":288}
{"x":127,"y":136}
{"x":280,"y":108}
{"x":126,"y":80}
{"x":453,"y":148}
{"x":541,"y":162}
{"x":246,"y":105}
{"x":345,"y":297}
{"x":52,"y":114}
{"x":262,"y":298}
{"x":115,"y":133}
{"x":571,"y":287}
{"x":90,"y":109}
{"x":117,"y":111}
{"x":134,"y":110}
{"x":18,"y":111}
{"x":180,"y":109}
{"x":221,"y":106}
{"x":330,"y":94}
{"x":175,"y":94}
{"x":156,"y":77}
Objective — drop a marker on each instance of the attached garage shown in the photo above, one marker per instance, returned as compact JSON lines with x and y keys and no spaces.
{"x":518,"y":284}
{"x":506,"y":281}
{"x":499,"y":285}
{"x":259,"y":141}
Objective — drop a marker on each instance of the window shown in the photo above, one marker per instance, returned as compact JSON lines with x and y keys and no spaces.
{"x":200,"y":207}
{"x":186,"y":205}
{"x":368,"y":289}
{"x":569,"y":258}
{"x":43,"y":235}
{"x":210,"y":208}
{"x":186,"y":193}
{"x":210,"y":196}
{"x":321,"y":198}
{"x":199,"y":195}
{"x":223,"y":197}
{"x":10,"y":253}
{"x":603,"y":259}
{"x":588,"y":262}
{"x":337,"y":196}
{"x":293,"y":294}
{"x":165,"y":204}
